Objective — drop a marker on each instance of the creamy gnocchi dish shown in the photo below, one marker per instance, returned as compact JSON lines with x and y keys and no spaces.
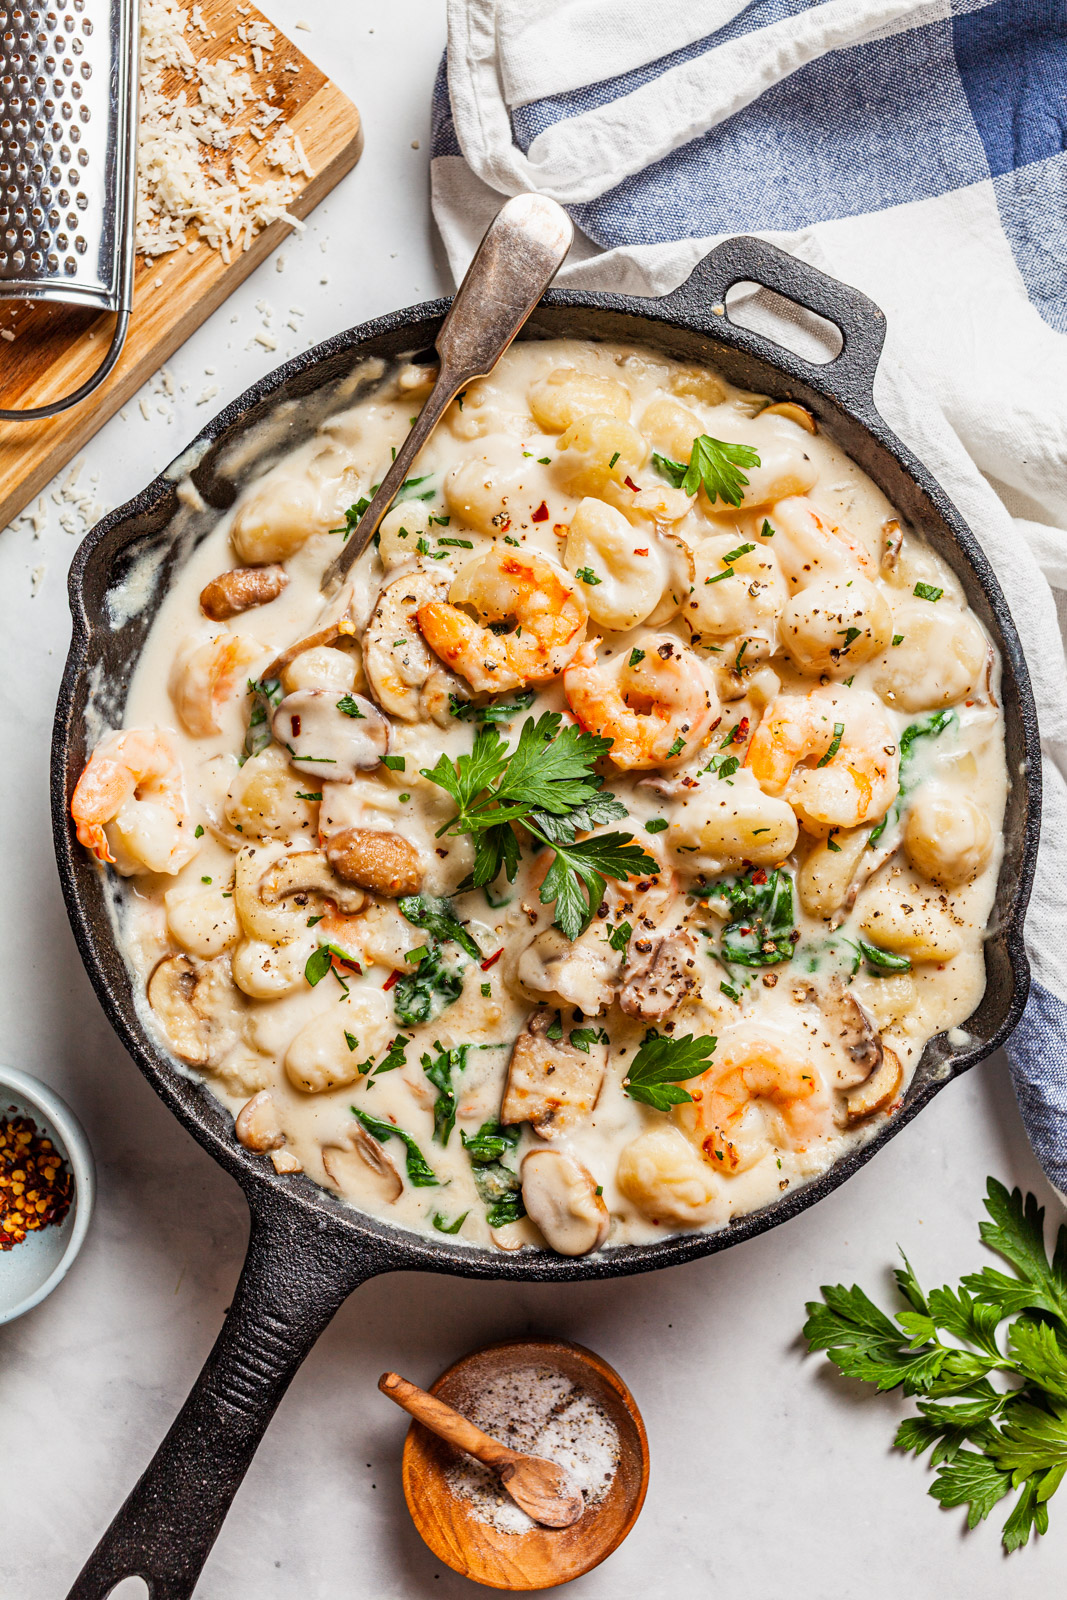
{"x":597,"y":865}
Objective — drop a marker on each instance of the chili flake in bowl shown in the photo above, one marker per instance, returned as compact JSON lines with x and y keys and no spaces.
{"x":46,"y":1191}
{"x":36,"y":1184}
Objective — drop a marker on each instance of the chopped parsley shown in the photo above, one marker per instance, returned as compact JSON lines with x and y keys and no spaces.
{"x":834,"y":746}
{"x":587,"y":575}
{"x":636,"y":657}
{"x":394,"y":763}
{"x":656,"y":825}
{"x":348,"y":705}
{"x":927,"y":591}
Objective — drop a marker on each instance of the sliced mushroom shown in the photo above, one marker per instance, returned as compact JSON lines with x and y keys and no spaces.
{"x":796,"y":413}
{"x":561,"y":1197}
{"x":257,"y":1126}
{"x":170,"y":994}
{"x":329,"y":735}
{"x":880,"y":1089}
{"x":406,"y":677}
{"x":309,"y":872}
{"x":240,"y":590}
{"x":580,"y":972}
{"x":362,"y":1168}
{"x":285,"y":1161}
{"x":853,"y":1029}
{"x":660,"y":972}
{"x":383,"y":862}
{"x":551,"y":1084}
{"x":345,"y":628}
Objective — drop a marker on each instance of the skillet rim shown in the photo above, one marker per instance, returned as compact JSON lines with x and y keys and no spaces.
{"x":388,"y":1247}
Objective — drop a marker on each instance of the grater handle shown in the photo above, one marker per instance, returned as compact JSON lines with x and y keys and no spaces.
{"x":54,"y":407}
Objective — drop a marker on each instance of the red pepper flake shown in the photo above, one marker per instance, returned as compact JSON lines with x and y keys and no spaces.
{"x":560,"y":529}
{"x":347,"y":963}
{"x":640,"y":552}
{"x":541,"y":514}
{"x":491,"y":961}
{"x":294,"y":723}
{"x":741,"y":731}
{"x":759,"y":876}
{"x":36,"y":1185}
{"x":630,"y":484}
{"x":391,"y":979}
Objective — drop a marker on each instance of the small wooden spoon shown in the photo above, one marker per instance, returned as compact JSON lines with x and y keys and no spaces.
{"x":539,"y":1487}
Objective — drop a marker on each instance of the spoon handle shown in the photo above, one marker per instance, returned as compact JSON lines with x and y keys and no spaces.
{"x":446,"y":1423}
{"x":523,"y":249}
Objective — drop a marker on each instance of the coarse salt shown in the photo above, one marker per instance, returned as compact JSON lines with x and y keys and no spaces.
{"x":540,"y":1412}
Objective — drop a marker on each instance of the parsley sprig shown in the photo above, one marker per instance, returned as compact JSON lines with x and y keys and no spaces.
{"x":547,"y":783}
{"x":662,"y":1063}
{"x":714,"y":465}
{"x":1017,"y":1437}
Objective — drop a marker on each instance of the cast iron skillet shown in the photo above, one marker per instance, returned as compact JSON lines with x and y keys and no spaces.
{"x":307,"y":1252}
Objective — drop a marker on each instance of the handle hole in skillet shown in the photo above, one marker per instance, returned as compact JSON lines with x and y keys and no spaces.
{"x":784,"y":322}
{"x":130,"y":1589}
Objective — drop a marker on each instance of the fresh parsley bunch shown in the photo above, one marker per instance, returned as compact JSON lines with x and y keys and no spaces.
{"x":1017,"y":1437}
{"x":547,"y":783}
{"x":715,"y":465}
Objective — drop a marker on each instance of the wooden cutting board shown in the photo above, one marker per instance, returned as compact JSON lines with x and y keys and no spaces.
{"x":57,"y":347}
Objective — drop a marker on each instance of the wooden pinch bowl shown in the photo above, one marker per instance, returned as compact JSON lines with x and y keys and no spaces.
{"x":543,"y":1557}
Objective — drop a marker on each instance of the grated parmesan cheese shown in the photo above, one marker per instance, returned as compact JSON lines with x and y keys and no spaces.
{"x":181,"y":183}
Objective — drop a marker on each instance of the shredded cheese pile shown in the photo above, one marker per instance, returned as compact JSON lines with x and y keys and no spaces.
{"x":184,"y":179}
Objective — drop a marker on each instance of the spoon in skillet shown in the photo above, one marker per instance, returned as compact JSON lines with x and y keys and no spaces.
{"x":523,"y":249}
{"x":540,"y":1488}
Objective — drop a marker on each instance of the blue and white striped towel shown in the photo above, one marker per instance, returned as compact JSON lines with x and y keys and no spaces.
{"x":918,"y":151}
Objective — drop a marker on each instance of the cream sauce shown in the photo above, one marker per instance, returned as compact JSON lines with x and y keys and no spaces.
{"x":519,"y":467}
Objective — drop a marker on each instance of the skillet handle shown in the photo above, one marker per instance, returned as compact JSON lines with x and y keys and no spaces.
{"x":746,"y":259}
{"x":292,"y":1282}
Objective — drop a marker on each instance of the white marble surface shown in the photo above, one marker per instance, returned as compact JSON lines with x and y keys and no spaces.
{"x":771,"y":1476}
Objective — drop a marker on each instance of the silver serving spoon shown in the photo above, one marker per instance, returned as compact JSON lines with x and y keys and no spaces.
{"x":523,"y":249}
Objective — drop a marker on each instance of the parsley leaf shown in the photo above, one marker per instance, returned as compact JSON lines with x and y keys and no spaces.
{"x":620,"y":937}
{"x":420,"y":1173}
{"x":661,"y":1063}
{"x":715,"y":465}
{"x":927,"y":591}
{"x":348,"y":705}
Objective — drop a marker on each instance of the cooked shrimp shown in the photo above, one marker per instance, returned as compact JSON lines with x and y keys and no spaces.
{"x":808,"y":545}
{"x":536,"y":606}
{"x":831,"y":754}
{"x":130,"y":800}
{"x":755,"y":1064}
{"x":655,"y":703}
{"x":205,"y":674}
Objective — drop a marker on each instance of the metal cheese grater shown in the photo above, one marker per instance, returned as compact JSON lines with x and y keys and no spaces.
{"x":68,"y":162}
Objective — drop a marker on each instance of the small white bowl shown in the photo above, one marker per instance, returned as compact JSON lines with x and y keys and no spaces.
{"x":30,"y":1270}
